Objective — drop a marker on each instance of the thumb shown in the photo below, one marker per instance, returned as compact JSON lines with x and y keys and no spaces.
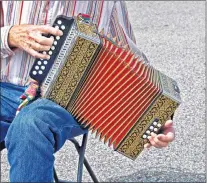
{"x":168,"y":124}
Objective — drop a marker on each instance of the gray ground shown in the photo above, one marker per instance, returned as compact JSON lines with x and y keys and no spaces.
{"x":172,"y":35}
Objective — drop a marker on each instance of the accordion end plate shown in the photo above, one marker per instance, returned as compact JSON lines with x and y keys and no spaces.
{"x":161,"y":109}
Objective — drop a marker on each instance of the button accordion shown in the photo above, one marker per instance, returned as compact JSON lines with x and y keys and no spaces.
{"x":105,"y":86}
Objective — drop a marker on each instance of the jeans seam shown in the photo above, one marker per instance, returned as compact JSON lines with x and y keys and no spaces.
{"x":29,"y":108}
{"x":65,"y":126}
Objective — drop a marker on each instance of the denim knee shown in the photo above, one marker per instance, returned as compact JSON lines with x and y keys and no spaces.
{"x":30,"y":142}
{"x":30,"y":126}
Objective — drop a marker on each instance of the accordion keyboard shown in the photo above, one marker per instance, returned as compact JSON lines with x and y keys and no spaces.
{"x":41,"y":67}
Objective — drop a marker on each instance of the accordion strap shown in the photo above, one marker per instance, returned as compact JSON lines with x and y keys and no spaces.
{"x":29,"y":94}
{"x":84,"y":17}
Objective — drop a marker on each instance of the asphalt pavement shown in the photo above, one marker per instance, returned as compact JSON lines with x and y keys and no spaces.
{"x":172,"y":35}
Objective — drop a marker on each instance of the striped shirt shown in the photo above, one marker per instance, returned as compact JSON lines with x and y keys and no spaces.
{"x":16,"y":64}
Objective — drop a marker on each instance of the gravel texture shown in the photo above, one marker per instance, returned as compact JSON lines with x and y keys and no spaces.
{"x":172,"y":35}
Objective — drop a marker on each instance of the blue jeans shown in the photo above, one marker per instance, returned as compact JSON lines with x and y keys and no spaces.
{"x":34,"y":135}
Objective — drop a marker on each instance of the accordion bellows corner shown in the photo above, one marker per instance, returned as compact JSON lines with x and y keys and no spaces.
{"x":105,"y":87}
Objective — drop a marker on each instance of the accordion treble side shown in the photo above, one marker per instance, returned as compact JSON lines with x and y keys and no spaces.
{"x":106,"y":87}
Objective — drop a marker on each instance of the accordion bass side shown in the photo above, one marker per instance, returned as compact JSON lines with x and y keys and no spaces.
{"x":105,"y":87}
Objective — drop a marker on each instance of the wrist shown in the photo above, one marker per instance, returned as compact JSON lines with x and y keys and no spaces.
{"x":11,"y":42}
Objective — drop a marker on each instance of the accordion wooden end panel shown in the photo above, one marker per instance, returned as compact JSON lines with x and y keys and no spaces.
{"x":158,"y":113}
{"x":72,"y":71}
{"x":152,"y":120}
{"x":105,"y":87}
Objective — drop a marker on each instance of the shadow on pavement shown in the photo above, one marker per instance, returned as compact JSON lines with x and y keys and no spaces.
{"x":173,"y":175}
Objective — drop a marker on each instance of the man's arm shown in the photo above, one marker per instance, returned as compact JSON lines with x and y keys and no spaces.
{"x":28,"y":38}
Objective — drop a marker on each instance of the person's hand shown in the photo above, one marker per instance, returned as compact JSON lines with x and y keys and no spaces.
{"x":162,"y":140}
{"x":30,"y":38}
